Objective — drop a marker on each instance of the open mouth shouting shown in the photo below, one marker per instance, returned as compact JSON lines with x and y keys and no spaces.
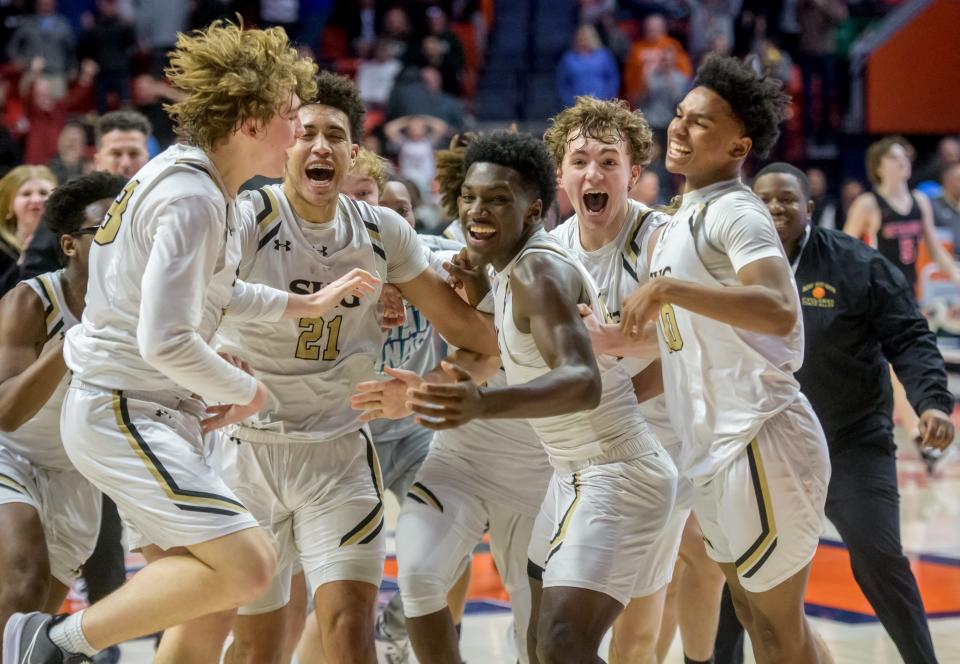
{"x":595,"y":201}
{"x":319,"y":173}
{"x":480,"y":234}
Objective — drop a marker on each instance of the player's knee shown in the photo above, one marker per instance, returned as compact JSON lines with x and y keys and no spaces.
{"x":254,"y":568}
{"x":347,"y":623}
{"x":634,"y":641}
{"x":246,"y":649}
{"x":559,"y":642}
{"x":26,"y":581}
{"x":423,"y":593}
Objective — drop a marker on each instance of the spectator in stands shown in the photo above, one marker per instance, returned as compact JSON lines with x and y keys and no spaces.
{"x":414,"y":139}
{"x":773,"y":61}
{"x":710,"y":21}
{"x":68,"y":163}
{"x":946,"y":206}
{"x":587,"y":68}
{"x":824,"y":206}
{"x":23,"y":192}
{"x":313,"y":19}
{"x":948,"y":153}
{"x":282,"y":13}
{"x":818,"y":61}
{"x":419,"y":93}
{"x":121,"y":139}
{"x":110,"y":43}
{"x":157,"y":25}
{"x":46,"y":114}
{"x":665,"y":87}
{"x":13,"y":125}
{"x":396,"y":28}
{"x":150,"y":93}
{"x":850,"y":190}
{"x":46,"y":35}
{"x":655,"y":39}
{"x":375,"y":77}
{"x":601,"y":14}
{"x":442,"y":50}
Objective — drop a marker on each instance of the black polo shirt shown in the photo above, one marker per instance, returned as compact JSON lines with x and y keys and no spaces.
{"x":859,"y":314}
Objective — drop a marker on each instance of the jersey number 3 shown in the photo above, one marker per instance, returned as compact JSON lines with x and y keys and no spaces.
{"x":311,"y":331}
{"x":108,"y":230}
{"x":668,"y":323}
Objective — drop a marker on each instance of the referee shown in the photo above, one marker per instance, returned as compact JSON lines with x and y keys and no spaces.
{"x":859,"y":315}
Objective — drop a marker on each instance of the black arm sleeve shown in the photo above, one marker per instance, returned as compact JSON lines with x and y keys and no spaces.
{"x":906,"y":339}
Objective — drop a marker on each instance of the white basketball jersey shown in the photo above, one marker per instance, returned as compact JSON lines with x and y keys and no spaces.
{"x":103,"y":350}
{"x":722,"y":383}
{"x":583,"y":435}
{"x":38,"y":439}
{"x":310,"y":365}
{"x":416,"y":345}
{"x":619,"y":268}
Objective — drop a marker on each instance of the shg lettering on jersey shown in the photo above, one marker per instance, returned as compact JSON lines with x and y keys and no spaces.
{"x":308,"y":287}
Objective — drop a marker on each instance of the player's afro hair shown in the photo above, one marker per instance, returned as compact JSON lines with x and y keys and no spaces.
{"x":64,"y":211}
{"x":340,"y":93}
{"x":525,"y":154}
{"x":757,"y":101}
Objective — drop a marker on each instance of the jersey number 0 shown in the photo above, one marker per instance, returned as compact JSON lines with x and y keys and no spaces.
{"x":311,"y":331}
{"x":671,"y":333}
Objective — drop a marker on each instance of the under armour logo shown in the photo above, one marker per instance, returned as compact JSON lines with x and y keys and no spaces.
{"x":162,"y":413}
{"x":277,"y":244}
{"x":323,"y":251}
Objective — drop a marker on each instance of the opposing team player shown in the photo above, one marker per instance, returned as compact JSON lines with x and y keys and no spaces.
{"x":49,"y":511}
{"x":613,"y":484}
{"x":730,"y":338}
{"x":599,"y":148}
{"x":302,"y":463}
{"x":163,"y":275}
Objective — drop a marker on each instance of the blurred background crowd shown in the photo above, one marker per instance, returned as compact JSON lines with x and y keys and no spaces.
{"x":428,"y":70}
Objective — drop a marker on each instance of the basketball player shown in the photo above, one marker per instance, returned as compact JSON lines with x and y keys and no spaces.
{"x":484,"y":476}
{"x":730,"y":339}
{"x":302,"y":463}
{"x":50,"y":513}
{"x":613,"y":485}
{"x":599,"y":148}
{"x":163,"y":275}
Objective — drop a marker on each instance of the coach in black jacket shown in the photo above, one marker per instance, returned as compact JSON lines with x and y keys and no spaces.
{"x":859,"y":315}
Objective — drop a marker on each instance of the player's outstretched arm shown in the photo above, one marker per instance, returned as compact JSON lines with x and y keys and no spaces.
{"x":765,"y":302}
{"x":28,"y":377}
{"x":387,"y":399}
{"x":356,"y":283}
{"x":545,"y":297}
{"x":459,"y":323}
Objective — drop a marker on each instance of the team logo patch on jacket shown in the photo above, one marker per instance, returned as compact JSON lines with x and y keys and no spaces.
{"x":818,"y":294}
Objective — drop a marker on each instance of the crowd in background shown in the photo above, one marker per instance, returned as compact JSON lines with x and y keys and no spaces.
{"x":417,"y":65}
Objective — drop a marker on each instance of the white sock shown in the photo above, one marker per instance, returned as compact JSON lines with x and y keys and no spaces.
{"x":68,"y":634}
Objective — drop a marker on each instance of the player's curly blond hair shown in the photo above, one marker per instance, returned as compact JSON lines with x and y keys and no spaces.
{"x":605,"y":120}
{"x":231,"y":75}
{"x":372,"y":165}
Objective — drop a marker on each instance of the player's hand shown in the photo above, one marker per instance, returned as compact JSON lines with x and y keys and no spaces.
{"x":385,"y":399}
{"x":356,"y":283}
{"x":222,"y":415}
{"x":463,"y":274}
{"x":447,"y":405}
{"x":641,"y":306}
{"x":394,"y":311}
{"x":936,"y":429}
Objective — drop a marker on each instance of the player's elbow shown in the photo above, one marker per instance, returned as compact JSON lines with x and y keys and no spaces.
{"x":783,"y":319}
{"x":155,"y":351}
{"x":9,"y":420}
{"x":590,"y":388}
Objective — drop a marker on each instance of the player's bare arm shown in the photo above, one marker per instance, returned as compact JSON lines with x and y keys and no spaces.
{"x":387,"y":399}
{"x":30,"y":370}
{"x":545,"y":297}
{"x":458,"y":322}
{"x":765,"y":302}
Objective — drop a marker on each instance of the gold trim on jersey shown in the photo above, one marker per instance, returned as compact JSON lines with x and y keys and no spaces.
{"x":557,"y":541}
{"x":196,"y":501}
{"x":424,"y":496}
{"x":52,"y":311}
{"x":370,"y":526}
{"x":271,"y":209}
{"x":753,"y":559}
{"x":8,"y":482}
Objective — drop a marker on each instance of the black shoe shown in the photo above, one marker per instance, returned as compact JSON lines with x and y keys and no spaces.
{"x":26,"y":640}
